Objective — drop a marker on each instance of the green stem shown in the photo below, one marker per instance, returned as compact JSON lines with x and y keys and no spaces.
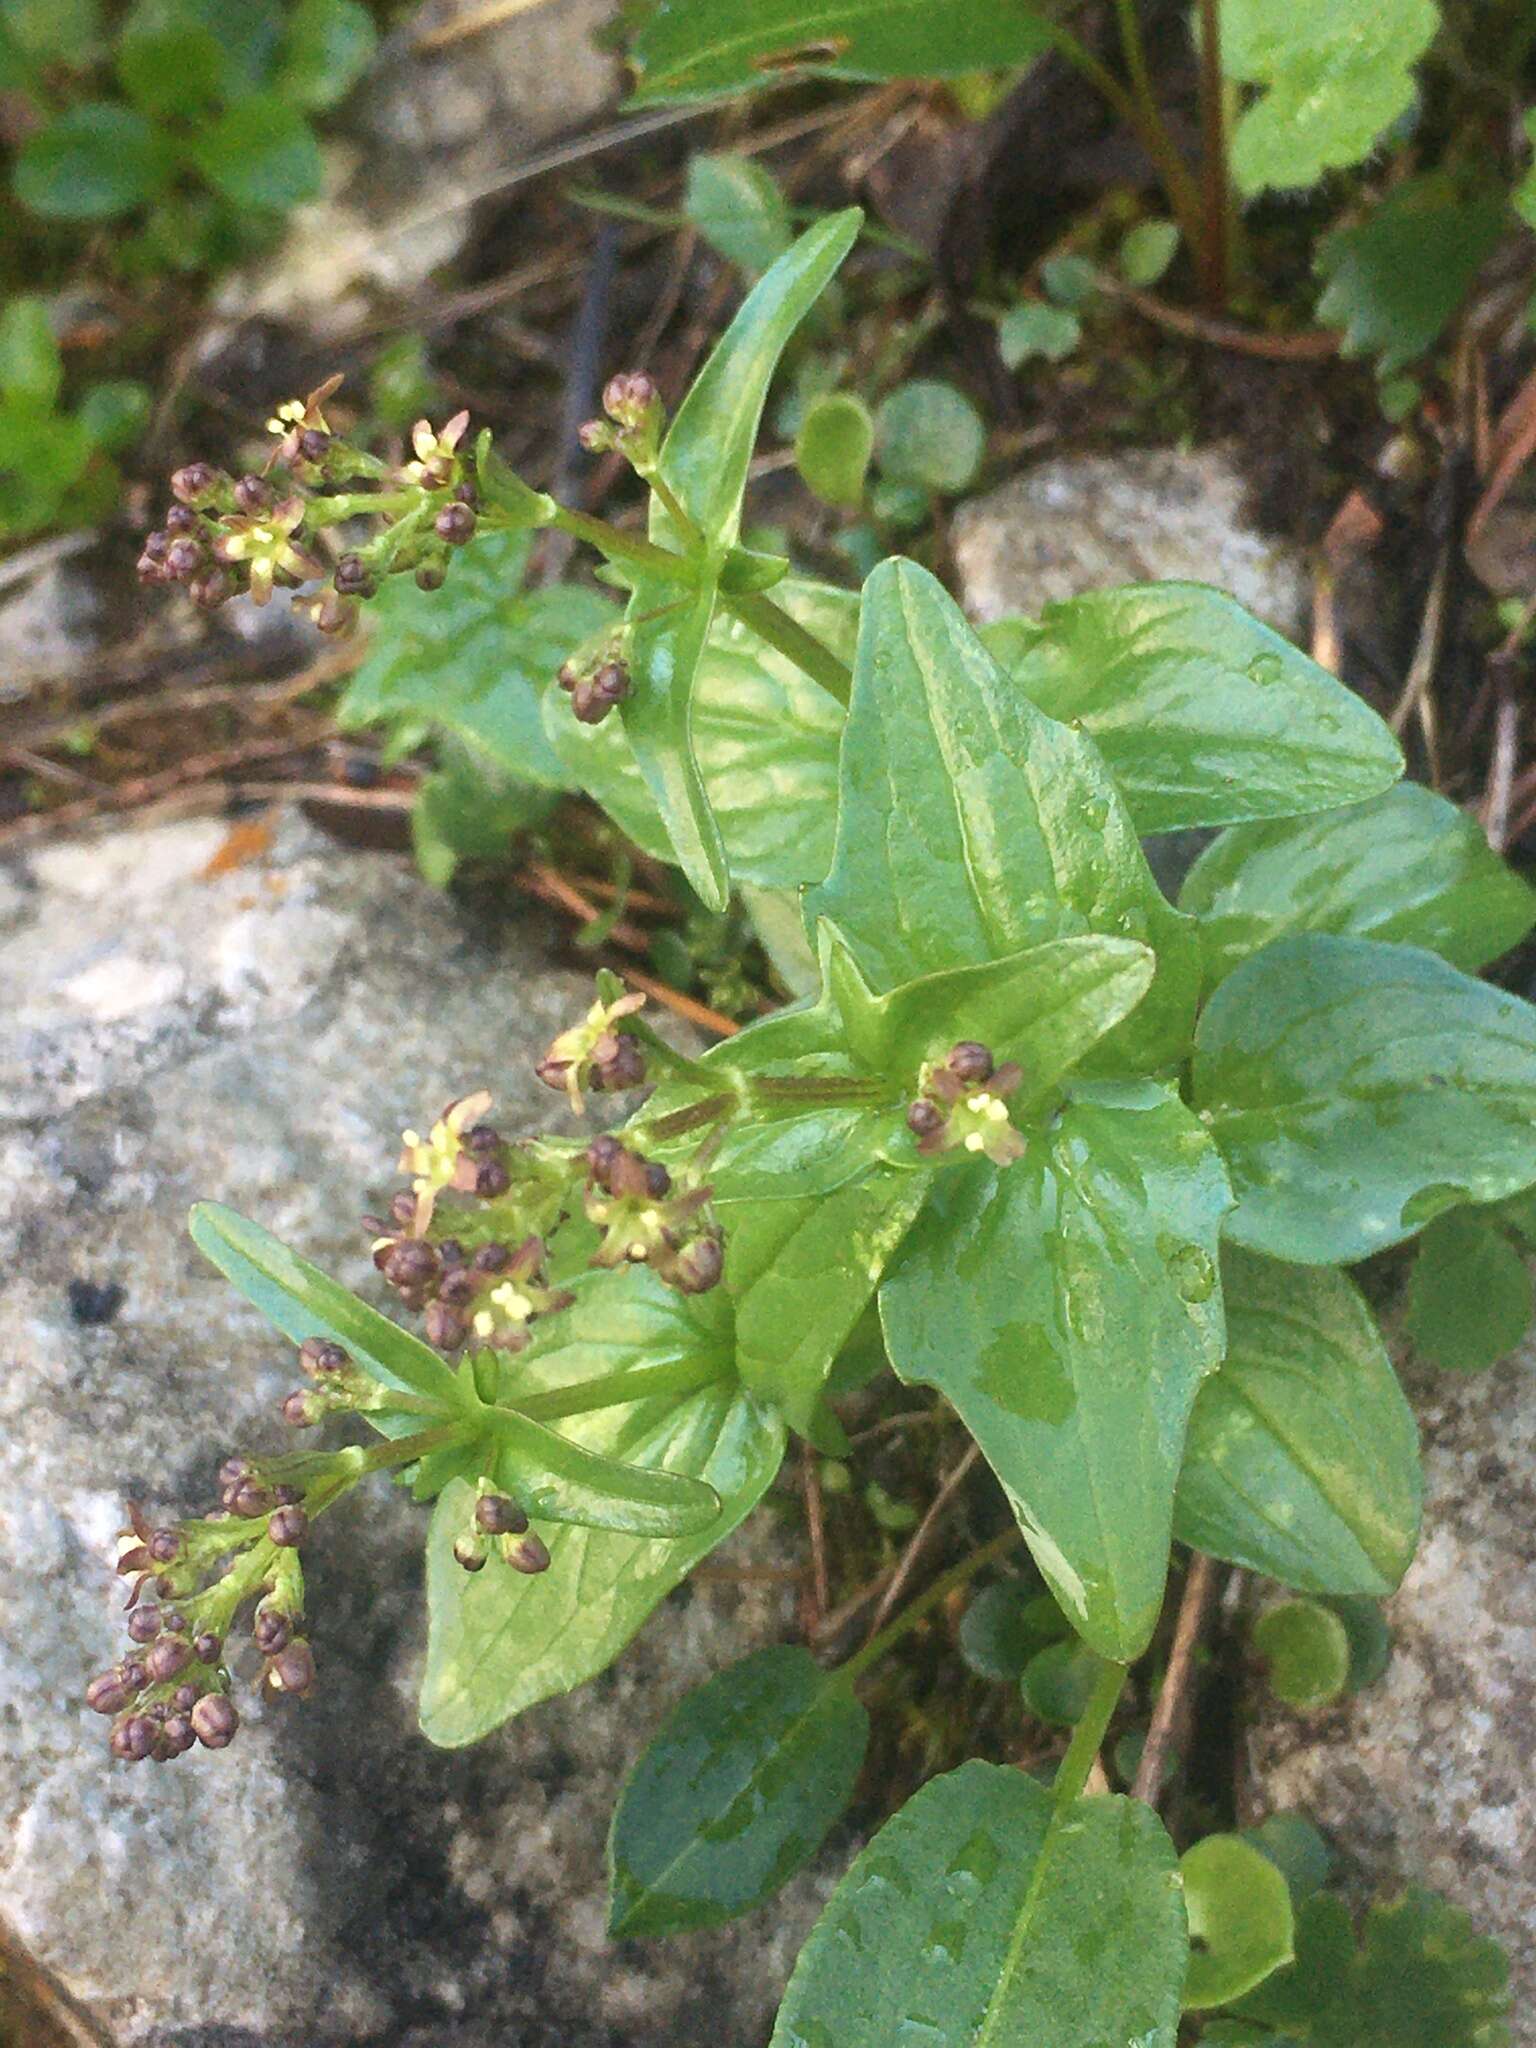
{"x":1216,"y":195}
{"x":355,"y":504}
{"x":619,"y":546}
{"x":1139,"y":110}
{"x":932,"y":1596}
{"x":676,"y":512}
{"x":616,"y":1389}
{"x":791,"y":639}
{"x":1087,"y":1738}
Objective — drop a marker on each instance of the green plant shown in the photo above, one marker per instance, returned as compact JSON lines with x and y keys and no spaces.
{"x":55,"y":465}
{"x":1095,"y":1160}
{"x":186,"y":120}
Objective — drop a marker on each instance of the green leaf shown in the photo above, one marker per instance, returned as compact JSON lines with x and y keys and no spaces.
{"x":1422,"y":1978}
{"x":1205,"y":716}
{"x":704,"y":461}
{"x":1297,"y":1850}
{"x":813,"y":1267}
{"x":1004,"y":1627}
{"x":1239,"y":1909}
{"x":558,"y":1480}
{"x":477,"y":658}
{"x":692,"y":49}
{"x":115,"y":413}
{"x":91,"y":162}
{"x":1303,"y":1456}
{"x":1405,"y":866}
{"x":1469,"y":1294}
{"x":1358,"y":1089}
{"x":832,"y":448}
{"x":1393,"y":280}
{"x":1058,"y":1681}
{"x":765,"y":738}
{"x":930,"y":436}
{"x":261,"y":153}
{"x":1036,"y":329}
{"x":970,"y":826}
{"x":31,"y":367}
{"x":737,"y":1791}
{"x":168,"y":61}
{"x":1069,"y":1307}
{"x":1335,"y":74}
{"x":1147,"y":251}
{"x":329,"y":46}
{"x":739,"y":210}
{"x":1307,"y":1651}
{"x":53,"y":31}
{"x":499,"y":1642}
{"x":971,"y":1922}
{"x":301,"y":1301}
{"x":1370,"y":1640}
{"x":470,"y":811}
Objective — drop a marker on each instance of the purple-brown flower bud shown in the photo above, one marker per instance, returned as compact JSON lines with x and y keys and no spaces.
{"x":469,"y":1552}
{"x":698,"y":1266}
{"x":301,"y":1409}
{"x":970,"y":1062}
{"x":528,"y":1554}
{"x":253,"y":494}
{"x":499,"y":1515}
{"x":167,"y":1656}
{"x":144,"y":1624}
{"x":108,"y":1693}
{"x":133,"y":1739}
{"x":197,"y":484}
{"x":271,"y":1631}
{"x":287,"y":1527}
{"x":318,"y":1356}
{"x":214,"y":1720}
{"x":455,"y":524}
{"x":354,"y":578}
{"x":207,"y":1645}
{"x":293,"y":1669}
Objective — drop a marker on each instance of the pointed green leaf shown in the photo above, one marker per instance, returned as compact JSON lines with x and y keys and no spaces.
{"x":557,"y":1480}
{"x":970,"y":826}
{"x":301,"y":1301}
{"x":691,"y":49}
{"x":1358,"y":1089}
{"x":704,"y":461}
{"x":765,"y":738}
{"x":971,"y":1922}
{"x":1303,"y":1455}
{"x":737,"y":1791}
{"x":498,"y":1641}
{"x":1239,"y":1915}
{"x":814,"y":1265}
{"x":1069,"y":1306}
{"x":1205,"y":716}
{"x":1469,"y":1294}
{"x":1406,"y":866}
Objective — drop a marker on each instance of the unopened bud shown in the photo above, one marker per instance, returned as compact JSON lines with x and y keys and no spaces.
{"x":271,"y":1631}
{"x":468,"y":1551}
{"x":699,"y":1265}
{"x":197,"y":483}
{"x":132,"y":1740}
{"x":166,"y":1657}
{"x":214,"y":1720}
{"x":287,"y":1527}
{"x":445,"y":1327}
{"x":165,"y":1546}
{"x":253,"y":494}
{"x":924,"y":1118}
{"x":108,"y":1693}
{"x":144,"y":1624}
{"x":207,"y":1645}
{"x":293,"y":1670}
{"x":529,"y":1554}
{"x":455,"y":524}
{"x":970,"y":1062}
{"x":499,"y":1515}
{"x":300,"y":1409}
{"x":318,"y":1355}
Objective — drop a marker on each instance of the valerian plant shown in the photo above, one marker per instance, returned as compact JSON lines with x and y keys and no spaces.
{"x":1097,"y":1160}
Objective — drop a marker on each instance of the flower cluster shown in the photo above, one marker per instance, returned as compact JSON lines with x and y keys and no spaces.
{"x":498,"y":1523}
{"x":595,"y":686}
{"x":265,"y":530}
{"x":636,"y":420}
{"x":171,"y":1690}
{"x":962,"y":1104}
{"x":646,"y":1220}
{"x":599,"y":1053}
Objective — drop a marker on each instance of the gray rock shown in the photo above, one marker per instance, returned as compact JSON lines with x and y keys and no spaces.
{"x":1426,"y":1776}
{"x":1086,"y":522}
{"x":439,"y":119}
{"x":260,"y":1037}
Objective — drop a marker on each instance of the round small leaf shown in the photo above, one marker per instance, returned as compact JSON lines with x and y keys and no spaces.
{"x":1306,"y":1648}
{"x":91,"y":162}
{"x":833,"y":447}
{"x":328,"y":47}
{"x":31,"y":367}
{"x":930,"y":435}
{"x":1059,"y":1680}
{"x":1370,"y":1640}
{"x":737,"y":1791}
{"x":1147,"y":251}
{"x":739,"y":210}
{"x":1036,"y":329}
{"x":1240,"y":1922}
{"x":114,"y":413}
{"x":1297,"y":1850}
{"x":1069,"y":280}
{"x":262,"y":153}
{"x":1004,"y":1627}
{"x":168,"y":63}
